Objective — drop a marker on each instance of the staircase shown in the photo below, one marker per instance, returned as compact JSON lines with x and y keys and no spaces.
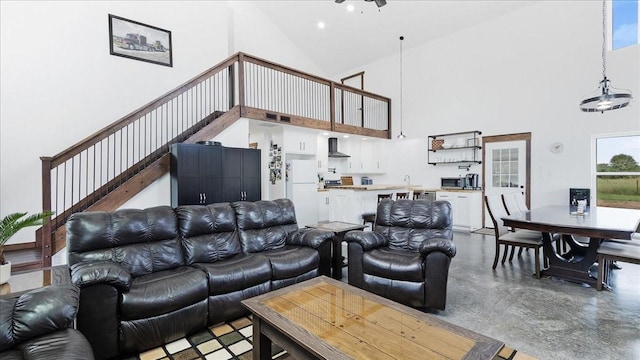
{"x":109,"y":167}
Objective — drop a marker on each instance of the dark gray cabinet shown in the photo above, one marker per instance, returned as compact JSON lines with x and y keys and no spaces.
{"x":206,"y":174}
{"x":241,"y":170}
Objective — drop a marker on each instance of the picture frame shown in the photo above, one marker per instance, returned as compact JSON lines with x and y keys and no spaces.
{"x":138,"y":41}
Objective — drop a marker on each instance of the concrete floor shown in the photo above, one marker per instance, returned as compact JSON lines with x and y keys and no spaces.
{"x":547,"y":318}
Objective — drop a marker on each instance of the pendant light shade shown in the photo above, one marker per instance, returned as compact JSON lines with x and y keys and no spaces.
{"x":605,"y":97}
{"x":401,"y":136}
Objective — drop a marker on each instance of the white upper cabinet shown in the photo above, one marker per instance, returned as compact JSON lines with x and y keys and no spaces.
{"x":322,"y":155}
{"x":299,"y":141}
{"x":367,"y":157}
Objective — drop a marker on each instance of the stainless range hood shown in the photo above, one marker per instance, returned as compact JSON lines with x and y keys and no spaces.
{"x":333,"y":149}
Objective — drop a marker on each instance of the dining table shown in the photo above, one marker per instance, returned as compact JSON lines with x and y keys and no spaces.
{"x":595,"y":224}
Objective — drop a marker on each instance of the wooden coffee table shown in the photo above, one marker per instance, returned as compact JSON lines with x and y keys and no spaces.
{"x":323,"y":318}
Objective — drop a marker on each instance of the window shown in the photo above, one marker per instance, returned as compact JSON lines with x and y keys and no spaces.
{"x":505,"y":168}
{"x":624,"y":23}
{"x":618,"y":171}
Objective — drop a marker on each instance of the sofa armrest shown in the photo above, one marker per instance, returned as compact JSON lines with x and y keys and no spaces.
{"x":101,"y":272}
{"x":36,"y":312}
{"x":367,"y":239}
{"x":438,"y":244}
{"x":309,"y":237}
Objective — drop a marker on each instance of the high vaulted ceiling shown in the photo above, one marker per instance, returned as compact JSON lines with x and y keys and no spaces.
{"x":351,"y":39}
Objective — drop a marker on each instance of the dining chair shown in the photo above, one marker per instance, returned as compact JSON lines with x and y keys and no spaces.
{"x":514,"y":203}
{"x":402,"y":195}
{"x":370,"y":217}
{"x":506,"y":238}
{"x":418,"y":195}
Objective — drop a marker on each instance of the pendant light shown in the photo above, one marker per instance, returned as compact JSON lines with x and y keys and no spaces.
{"x":401,"y":136}
{"x":605,"y":98}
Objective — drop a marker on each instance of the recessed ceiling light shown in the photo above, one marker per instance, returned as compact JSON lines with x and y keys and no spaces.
{"x":345,"y":136}
{"x":325,"y":133}
{"x":350,"y":7}
{"x":320,"y":25}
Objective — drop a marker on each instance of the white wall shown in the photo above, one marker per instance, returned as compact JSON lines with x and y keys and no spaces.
{"x":60,"y":84}
{"x":523,"y":72}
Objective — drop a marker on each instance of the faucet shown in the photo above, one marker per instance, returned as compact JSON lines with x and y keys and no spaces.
{"x":407,"y":179}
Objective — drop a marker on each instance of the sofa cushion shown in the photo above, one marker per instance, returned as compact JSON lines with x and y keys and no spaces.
{"x":162,"y":292}
{"x":28,"y":315}
{"x":209,"y":232}
{"x":408,"y":223}
{"x":264,"y":225}
{"x":393,"y":264}
{"x":291,"y":261}
{"x":142,"y":241}
{"x":237,"y":273}
{"x":68,"y":344}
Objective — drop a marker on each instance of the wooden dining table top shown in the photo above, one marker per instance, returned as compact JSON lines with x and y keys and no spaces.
{"x":597,"y":221}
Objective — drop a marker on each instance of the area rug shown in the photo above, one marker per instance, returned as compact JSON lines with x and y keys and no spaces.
{"x":234,"y":341}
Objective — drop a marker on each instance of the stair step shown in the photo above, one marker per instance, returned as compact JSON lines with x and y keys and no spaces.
{"x":24,"y":259}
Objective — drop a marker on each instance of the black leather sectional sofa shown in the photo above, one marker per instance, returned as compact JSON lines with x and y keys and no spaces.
{"x":148,"y":277}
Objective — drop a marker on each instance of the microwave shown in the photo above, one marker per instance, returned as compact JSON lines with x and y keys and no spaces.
{"x":453,"y":183}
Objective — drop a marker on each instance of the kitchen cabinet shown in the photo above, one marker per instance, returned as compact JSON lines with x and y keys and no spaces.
{"x":466,"y":208}
{"x":205,"y":174}
{"x":367,"y":157}
{"x":322,"y":154}
{"x":196,"y":174}
{"x":324,"y":205}
{"x":241,"y":170}
{"x":455,"y":148}
{"x":299,"y":142}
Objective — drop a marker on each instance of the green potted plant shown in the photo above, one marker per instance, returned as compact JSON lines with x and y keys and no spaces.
{"x":10,"y":225}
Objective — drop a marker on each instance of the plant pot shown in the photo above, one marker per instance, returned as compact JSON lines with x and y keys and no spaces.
{"x":5,"y":272}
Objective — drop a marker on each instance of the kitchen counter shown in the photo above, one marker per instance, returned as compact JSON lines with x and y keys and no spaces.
{"x":368,"y":187}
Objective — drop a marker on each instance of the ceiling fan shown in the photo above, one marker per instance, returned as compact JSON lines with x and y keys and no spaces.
{"x":380,"y":3}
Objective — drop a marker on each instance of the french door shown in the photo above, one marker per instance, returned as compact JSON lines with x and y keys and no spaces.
{"x":506,"y":163}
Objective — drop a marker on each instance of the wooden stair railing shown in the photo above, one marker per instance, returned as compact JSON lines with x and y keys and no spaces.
{"x":109,"y":167}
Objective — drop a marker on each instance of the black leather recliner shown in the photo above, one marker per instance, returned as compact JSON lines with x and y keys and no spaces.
{"x":406,"y":258}
{"x":36,"y":324}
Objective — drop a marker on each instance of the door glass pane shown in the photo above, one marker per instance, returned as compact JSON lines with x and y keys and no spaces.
{"x":505,"y":167}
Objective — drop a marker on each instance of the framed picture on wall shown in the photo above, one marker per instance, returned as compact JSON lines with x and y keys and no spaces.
{"x":138,"y":41}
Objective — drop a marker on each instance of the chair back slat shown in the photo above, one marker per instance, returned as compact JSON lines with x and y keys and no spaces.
{"x":497,"y":211}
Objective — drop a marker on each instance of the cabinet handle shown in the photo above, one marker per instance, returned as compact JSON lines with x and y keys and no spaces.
{"x":326,"y":201}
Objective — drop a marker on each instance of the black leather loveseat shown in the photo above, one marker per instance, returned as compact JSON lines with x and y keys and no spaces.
{"x":151,"y":276}
{"x":37,"y":324}
{"x":406,"y":258}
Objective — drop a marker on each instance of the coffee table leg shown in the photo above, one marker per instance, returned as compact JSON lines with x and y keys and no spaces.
{"x":261,"y":343}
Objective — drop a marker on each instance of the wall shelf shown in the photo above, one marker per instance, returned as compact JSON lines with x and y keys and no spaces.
{"x":454,"y":148}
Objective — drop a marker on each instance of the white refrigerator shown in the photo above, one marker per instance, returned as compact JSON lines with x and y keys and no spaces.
{"x":302,"y":189}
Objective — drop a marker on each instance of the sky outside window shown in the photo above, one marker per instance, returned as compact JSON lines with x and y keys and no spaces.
{"x":625,"y":23}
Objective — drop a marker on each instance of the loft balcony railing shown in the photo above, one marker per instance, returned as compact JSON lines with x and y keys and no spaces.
{"x":91,"y":174}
